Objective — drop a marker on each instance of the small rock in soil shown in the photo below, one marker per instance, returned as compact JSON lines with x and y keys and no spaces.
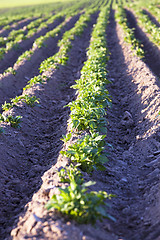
{"x":123,"y":180}
{"x":127,"y":156}
{"x":154,"y":174}
{"x":156,"y":153}
{"x":150,"y":156}
{"x":127,"y":121}
{"x":153,"y":163}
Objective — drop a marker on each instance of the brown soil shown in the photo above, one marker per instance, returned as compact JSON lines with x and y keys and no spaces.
{"x":152,"y":53}
{"x":16,"y":26}
{"x":30,"y":151}
{"x":152,"y":18}
{"x":132,"y":130}
{"x":12,"y":55}
{"x":11,"y":85}
{"x":132,"y":172}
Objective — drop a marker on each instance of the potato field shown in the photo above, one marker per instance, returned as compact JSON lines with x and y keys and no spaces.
{"x":80,"y":120}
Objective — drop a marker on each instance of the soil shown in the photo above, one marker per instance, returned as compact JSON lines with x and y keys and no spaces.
{"x":18,"y":25}
{"x":152,"y":52}
{"x":30,"y":156}
{"x":12,"y":55}
{"x":152,"y":18}
{"x":25,"y":70}
{"x":30,"y":151}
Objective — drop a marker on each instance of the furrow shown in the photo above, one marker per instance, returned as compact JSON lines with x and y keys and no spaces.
{"x":40,"y":134}
{"x":13,"y":85}
{"x":152,"y":53}
{"x":132,"y":129}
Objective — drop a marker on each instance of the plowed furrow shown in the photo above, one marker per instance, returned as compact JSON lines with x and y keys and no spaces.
{"x":152,"y":53}
{"x":38,"y":142}
{"x":12,"y":55}
{"x":153,"y":19}
{"x":12,"y":86}
{"x":131,"y":133}
{"x":17,"y":26}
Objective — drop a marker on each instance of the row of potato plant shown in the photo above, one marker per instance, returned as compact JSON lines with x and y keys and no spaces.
{"x":129,"y":37}
{"x":155,"y":11}
{"x":20,"y":33}
{"x":31,"y":100}
{"x":147,"y":25}
{"x":6,"y":20}
{"x":17,"y":36}
{"x":87,"y":122}
{"x":40,"y":41}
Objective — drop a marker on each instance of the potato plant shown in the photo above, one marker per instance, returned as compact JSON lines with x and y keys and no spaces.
{"x":87,"y":151}
{"x":78,"y":202}
{"x":129,"y":32}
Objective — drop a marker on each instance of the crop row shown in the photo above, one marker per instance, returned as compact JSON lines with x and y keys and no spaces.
{"x":129,"y":32}
{"x":147,"y":25}
{"x":31,"y":100}
{"x":22,"y":33}
{"x":5,"y":21}
{"x":87,"y":122}
{"x":91,"y":122}
{"x":40,"y":41}
{"x":16,"y":37}
{"x":155,"y":11}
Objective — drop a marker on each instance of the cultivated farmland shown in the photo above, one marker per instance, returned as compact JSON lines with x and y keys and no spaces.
{"x":80,"y":120}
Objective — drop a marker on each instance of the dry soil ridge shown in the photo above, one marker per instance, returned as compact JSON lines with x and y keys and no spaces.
{"x":12,"y":86}
{"x":27,"y":153}
{"x":133,"y":170}
{"x":12,"y":55}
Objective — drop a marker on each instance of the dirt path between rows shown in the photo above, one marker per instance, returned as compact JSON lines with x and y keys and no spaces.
{"x":133,"y":128}
{"x":16,"y":26}
{"x":12,"y":86}
{"x":152,"y":18}
{"x":29,"y":152}
{"x":134,"y":167}
{"x":12,"y":55}
{"x":152,"y":52}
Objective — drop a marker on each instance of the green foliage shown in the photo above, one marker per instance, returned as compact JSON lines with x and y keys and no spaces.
{"x":87,"y":151}
{"x":12,"y":45}
{"x":87,"y":116}
{"x":66,"y":138}
{"x":2,"y":41}
{"x":78,"y":203}
{"x":6,"y":106}
{"x":129,"y":32}
{"x":70,"y":173}
{"x":29,"y":100}
{"x":37,"y":79}
{"x":1,"y":130}
{"x":26,"y":55}
{"x":14,"y":121}
{"x":10,"y":70}
{"x":2,"y":52}
{"x":7,"y":27}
